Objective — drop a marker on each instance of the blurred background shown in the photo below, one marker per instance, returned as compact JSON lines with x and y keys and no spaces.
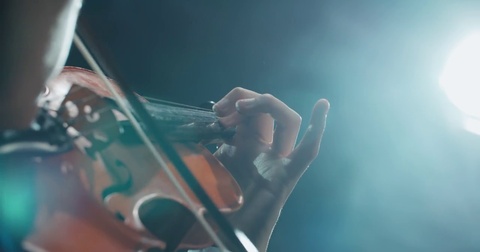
{"x":396,"y":171}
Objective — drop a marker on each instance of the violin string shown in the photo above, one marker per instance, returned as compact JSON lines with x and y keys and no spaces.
{"x":165,"y":106}
{"x":187,"y":115}
{"x":181,"y":113}
{"x":200,"y":115}
{"x":125,"y":106}
{"x":157,"y":106}
{"x":190,"y":110}
{"x":156,"y":100}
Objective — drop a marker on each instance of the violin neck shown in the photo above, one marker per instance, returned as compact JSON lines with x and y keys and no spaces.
{"x":188,"y":124}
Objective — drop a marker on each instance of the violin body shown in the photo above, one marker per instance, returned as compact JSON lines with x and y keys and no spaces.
{"x":107,"y":193}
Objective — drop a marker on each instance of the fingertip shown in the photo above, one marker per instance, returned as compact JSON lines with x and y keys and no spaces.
{"x":221,"y":107}
{"x":320,"y":111}
{"x":216,"y":109}
{"x":322,"y":105}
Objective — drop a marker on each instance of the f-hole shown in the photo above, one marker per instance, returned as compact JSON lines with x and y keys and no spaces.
{"x":167,"y":220}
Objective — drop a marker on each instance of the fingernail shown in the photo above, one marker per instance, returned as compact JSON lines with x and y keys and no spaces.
{"x":327,"y":104}
{"x":245,"y":104}
{"x":220,"y":105}
{"x":326,"y":107}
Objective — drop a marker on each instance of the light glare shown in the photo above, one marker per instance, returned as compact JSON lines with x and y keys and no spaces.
{"x":461,"y":76}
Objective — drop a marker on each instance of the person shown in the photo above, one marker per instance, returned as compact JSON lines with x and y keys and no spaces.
{"x":36,"y":38}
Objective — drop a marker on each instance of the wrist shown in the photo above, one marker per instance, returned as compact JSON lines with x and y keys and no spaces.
{"x":257,"y":218}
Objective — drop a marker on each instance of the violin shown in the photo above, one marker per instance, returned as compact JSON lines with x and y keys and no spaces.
{"x":107,"y":189}
{"x":106,"y":178}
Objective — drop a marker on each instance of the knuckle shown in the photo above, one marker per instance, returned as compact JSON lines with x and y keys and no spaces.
{"x":267,"y":98}
{"x":238,"y":90}
{"x":241,"y":93}
{"x":296,"y":118}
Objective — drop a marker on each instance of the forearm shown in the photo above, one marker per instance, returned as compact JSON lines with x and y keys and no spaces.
{"x":35,"y":40}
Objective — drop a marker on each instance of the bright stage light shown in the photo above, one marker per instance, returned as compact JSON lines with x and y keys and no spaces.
{"x":461,"y":79}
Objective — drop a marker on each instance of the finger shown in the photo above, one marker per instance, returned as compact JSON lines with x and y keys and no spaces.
{"x":226,"y":105}
{"x":287,"y":120}
{"x":307,"y":149}
{"x":232,"y":120}
{"x":258,"y":126}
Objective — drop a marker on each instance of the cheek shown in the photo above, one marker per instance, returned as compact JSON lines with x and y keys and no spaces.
{"x":61,"y":37}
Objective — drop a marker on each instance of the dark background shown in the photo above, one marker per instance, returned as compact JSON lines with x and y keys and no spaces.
{"x":396,"y":171}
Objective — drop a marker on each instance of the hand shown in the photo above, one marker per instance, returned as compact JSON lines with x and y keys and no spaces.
{"x":263,"y":158}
